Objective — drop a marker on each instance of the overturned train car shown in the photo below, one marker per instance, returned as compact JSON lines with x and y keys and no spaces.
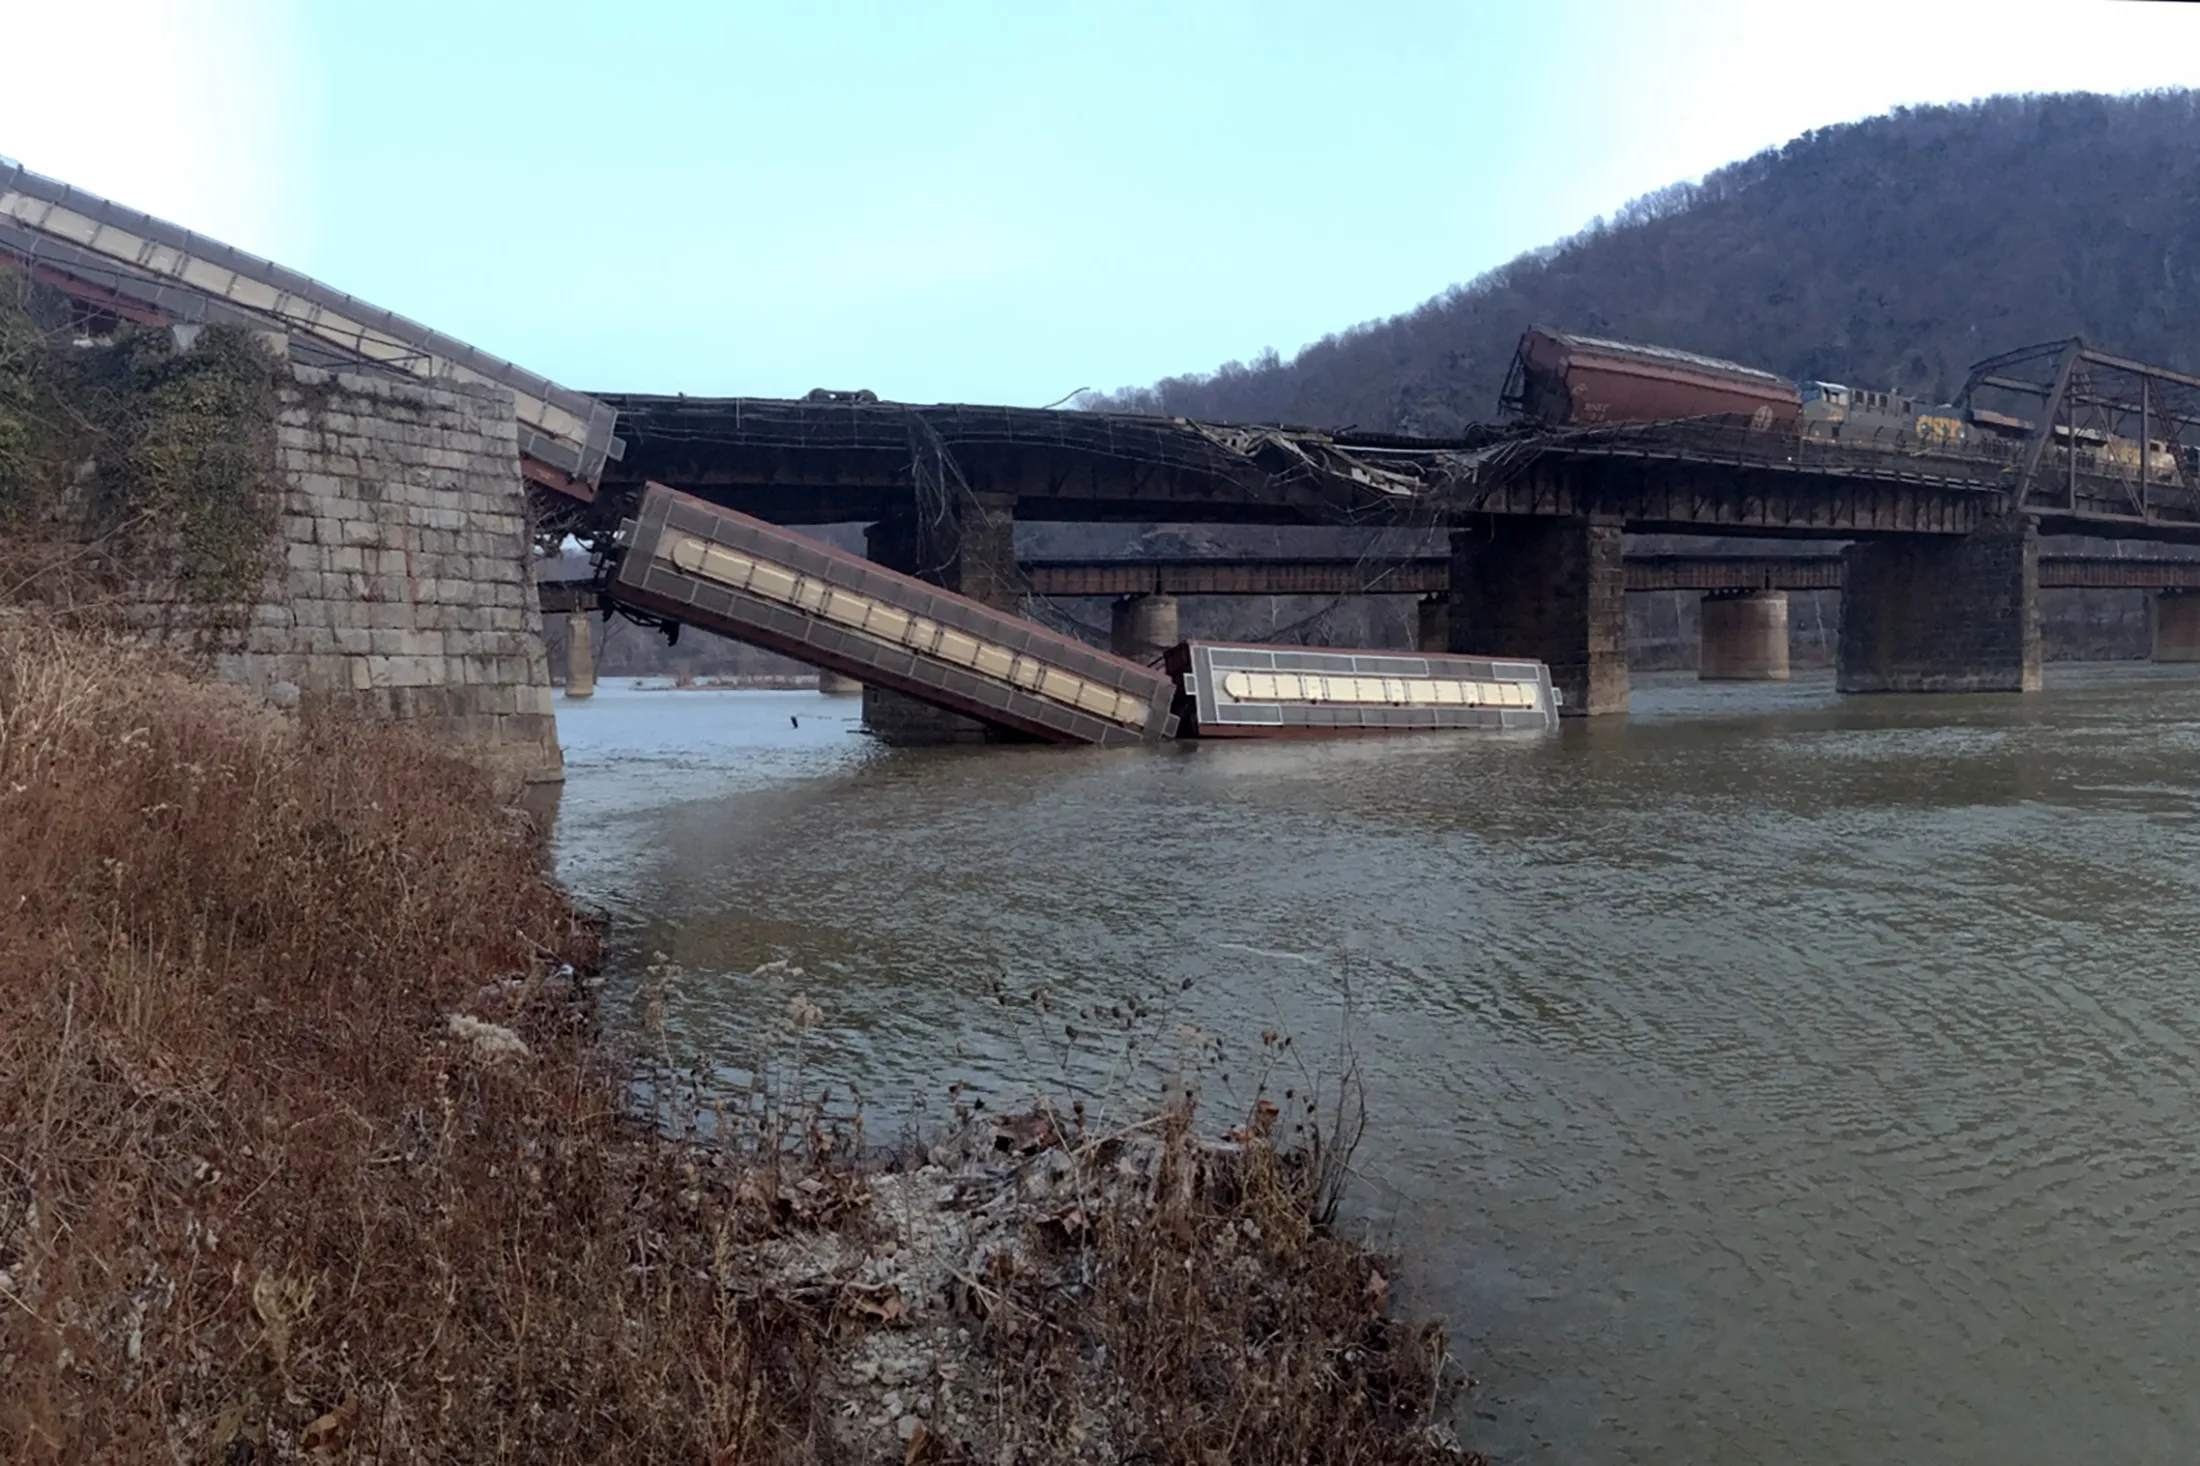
{"x":1228,"y":690}
{"x":684,"y":561}
{"x":1567,"y":380}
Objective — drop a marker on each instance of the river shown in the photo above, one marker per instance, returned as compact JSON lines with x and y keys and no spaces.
{"x":1763,"y":1076}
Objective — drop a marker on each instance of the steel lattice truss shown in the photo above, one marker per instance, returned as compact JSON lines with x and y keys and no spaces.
{"x":2102,"y":436}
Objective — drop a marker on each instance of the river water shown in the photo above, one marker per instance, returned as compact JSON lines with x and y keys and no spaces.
{"x":1764,"y":1076}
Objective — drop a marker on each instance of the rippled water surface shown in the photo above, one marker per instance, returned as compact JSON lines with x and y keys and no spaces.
{"x":1763,"y":1076}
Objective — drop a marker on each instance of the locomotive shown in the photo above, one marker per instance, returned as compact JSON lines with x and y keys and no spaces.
{"x":1860,"y":418}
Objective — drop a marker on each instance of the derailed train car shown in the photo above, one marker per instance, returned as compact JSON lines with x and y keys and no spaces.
{"x":684,"y":561}
{"x":1231,"y":690}
{"x":1568,"y":380}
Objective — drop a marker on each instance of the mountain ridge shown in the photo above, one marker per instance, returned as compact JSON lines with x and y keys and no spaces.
{"x":1890,"y":252}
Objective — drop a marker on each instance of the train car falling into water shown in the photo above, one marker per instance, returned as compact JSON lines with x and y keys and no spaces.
{"x":684,"y":561}
{"x":681,"y":561}
{"x":1231,"y":690}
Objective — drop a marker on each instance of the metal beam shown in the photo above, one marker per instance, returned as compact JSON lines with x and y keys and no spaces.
{"x":1431,"y":575}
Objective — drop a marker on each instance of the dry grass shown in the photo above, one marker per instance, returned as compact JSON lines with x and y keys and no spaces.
{"x":255,"y":1197}
{"x":264,"y":1199}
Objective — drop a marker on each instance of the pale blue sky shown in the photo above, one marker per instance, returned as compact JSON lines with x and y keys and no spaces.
{"x":984,"y":202}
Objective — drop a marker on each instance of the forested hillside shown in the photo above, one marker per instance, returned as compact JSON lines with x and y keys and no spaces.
{"x":1891,"y":252}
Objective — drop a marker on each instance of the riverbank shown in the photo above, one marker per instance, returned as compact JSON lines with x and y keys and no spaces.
{"x":310,"y":1150}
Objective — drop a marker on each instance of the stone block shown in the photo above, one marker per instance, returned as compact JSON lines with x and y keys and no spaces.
{"x":2174,"y":622}
{"x":1743,"y":637}
{"x":1943,"y":613}
{"x":1551,"y":589}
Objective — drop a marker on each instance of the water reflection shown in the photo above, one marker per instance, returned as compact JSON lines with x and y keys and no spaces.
{"x":1765,"y":1075}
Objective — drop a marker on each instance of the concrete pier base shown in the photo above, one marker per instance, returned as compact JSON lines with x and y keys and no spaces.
{"x":1744,"y":637}
{"x":969,"y":549}
{"x":1551,"y":589}
{"x":2176,"y":617}
{"x":1141,"y":628}
{"x":1432,"y":624}
{"x":832,"y":684}
{"x":580,"y":656}
{"x":1956,"y":613}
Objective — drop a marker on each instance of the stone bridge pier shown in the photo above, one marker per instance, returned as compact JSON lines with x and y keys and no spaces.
{"x":2176,"y":617}
{"x":1744,"y":637}
{"x":1432,"y":624}
{"x":580,"y":655}
{"x":1552,"y":589}
{"x":1956,"y":613}
{"x":1142,"y":627}
{"x":967,"y":545}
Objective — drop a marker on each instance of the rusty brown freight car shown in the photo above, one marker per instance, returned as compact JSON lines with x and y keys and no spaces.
{"x":692,"y":563}
{"x":1582,"y":381}
{"x":1229,"y":690}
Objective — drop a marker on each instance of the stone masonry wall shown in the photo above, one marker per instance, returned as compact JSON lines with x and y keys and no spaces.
{"x":1552,"y":589}
{"x":406,"y":588}
{"x":1931,"y":614}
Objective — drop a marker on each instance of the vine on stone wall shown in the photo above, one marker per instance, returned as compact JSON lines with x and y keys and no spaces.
{"x":137,"y":474}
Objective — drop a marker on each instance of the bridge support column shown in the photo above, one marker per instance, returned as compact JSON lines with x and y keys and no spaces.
{"x":832,"y":684}
{"x":969,"y":547}
{"x":1552,"y":589}
{"x":580,"y":655}
{"x":1433,"y":624}
{"x":1745,"y":637}
{"x":2176,"y":617}
{"x":1143,"y":627}
{"x":1953,"y":614}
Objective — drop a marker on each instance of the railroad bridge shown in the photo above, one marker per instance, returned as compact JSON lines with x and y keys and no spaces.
{"x":1940,"y":574}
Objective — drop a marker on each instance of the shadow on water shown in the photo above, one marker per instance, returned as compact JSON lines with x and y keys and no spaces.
{"x":1765,"y":1075}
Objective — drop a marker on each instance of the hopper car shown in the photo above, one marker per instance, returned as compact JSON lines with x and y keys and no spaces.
{"x":1231,"y":690}
{"x":1568,"y":380}
{"x":681,"y":560}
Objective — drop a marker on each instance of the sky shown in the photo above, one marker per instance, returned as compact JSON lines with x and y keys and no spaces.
{"x":958,"y":201}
